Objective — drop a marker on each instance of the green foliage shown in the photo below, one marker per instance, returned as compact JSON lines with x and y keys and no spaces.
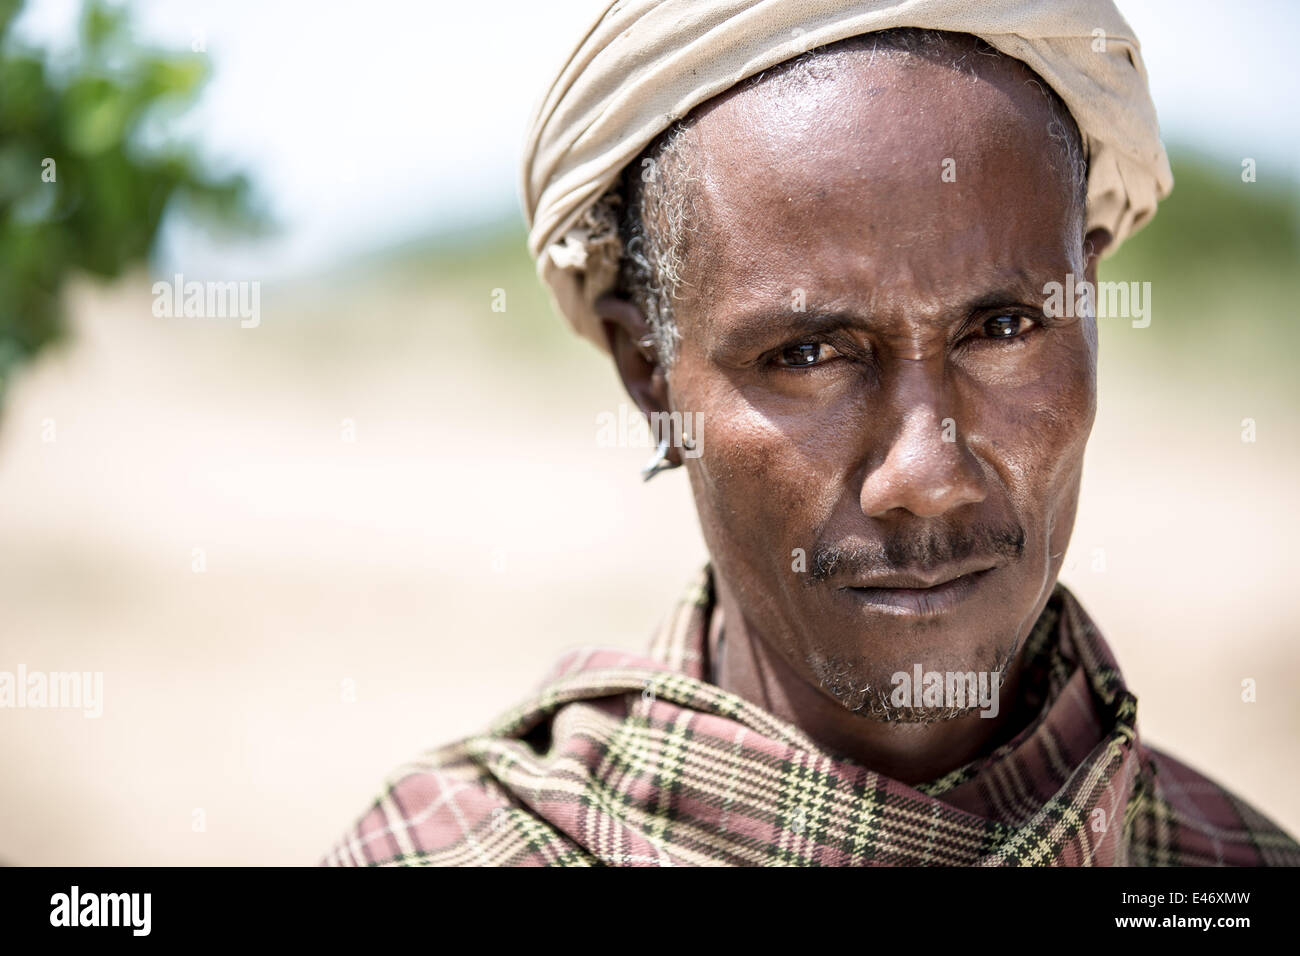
{"x":85,"y":174}
{"x":1213,"y":218}
{"x":1223,"y":260}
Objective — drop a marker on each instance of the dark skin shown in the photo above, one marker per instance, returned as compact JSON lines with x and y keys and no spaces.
{"x":825,"y":429}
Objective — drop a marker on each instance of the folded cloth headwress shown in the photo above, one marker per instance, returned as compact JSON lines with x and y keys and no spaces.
{"x":644,"y":64}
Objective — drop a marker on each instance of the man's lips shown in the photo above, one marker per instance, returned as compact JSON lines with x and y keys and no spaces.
{"x":919,"y":593}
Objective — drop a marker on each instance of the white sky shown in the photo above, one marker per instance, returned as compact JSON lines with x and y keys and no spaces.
{"x":365,"y":123}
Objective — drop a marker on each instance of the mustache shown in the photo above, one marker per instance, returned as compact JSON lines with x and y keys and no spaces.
{"x":918,"y":551}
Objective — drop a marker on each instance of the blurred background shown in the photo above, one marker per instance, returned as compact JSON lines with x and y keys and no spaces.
{"x":302,"y":552}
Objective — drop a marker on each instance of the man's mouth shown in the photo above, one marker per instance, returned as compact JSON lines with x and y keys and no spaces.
{"x":919,"y":593}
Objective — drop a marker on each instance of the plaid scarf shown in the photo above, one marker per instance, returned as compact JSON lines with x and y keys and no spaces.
{"x":630,"y":760}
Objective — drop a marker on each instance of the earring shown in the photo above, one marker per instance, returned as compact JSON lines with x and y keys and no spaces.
{"x":658,"y":462}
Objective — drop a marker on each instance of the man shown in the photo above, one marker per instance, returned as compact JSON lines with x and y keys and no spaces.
{"x":824,"y":234}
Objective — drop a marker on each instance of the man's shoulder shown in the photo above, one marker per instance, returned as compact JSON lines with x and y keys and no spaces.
{"x":446,"y":809}
{"x":449,"y":806}
{"x":1181,"y":817}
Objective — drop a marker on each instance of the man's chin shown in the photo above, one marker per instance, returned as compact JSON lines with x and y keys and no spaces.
{"x":925,"y":688}
{"x":889,"y":714}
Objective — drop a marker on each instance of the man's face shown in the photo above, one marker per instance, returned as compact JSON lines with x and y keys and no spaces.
{"x":895,"y":433}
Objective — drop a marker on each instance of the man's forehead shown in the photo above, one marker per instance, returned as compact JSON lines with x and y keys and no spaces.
{"x":874,"y":255}
{"x":898,"y":104}
{"x":915,"y":125}
{"x":889,"y":175}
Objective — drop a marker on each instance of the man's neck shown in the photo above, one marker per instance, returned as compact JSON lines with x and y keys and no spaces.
{"x":743,"y":664}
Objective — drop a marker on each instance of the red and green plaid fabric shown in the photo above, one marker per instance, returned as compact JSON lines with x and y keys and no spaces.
{"x":635,"y":760}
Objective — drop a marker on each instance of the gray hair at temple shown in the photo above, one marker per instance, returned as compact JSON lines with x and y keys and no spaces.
{"x":652,"y":207}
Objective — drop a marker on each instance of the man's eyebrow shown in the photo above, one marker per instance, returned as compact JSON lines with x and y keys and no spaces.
{"x":776,"y":323}
{"x":785,"y":323}
{"x":1019,"y":288}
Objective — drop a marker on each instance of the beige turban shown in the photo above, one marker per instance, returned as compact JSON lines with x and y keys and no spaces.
{"x":646,"y":63}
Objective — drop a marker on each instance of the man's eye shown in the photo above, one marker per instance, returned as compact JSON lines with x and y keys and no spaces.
{"x":1005,"y":326}
{"x":802,"y":356}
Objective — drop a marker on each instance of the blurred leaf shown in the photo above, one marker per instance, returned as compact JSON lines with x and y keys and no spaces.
{"x":79,"y":190}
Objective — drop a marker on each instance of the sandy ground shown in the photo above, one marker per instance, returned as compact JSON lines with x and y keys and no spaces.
{"x":362,"y":600}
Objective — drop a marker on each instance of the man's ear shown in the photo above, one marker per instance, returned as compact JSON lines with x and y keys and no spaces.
{"x":635,"y":357}
{"x":1094,"y":244}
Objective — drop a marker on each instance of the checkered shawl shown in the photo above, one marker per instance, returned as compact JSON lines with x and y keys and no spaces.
{"x":630,"y":760}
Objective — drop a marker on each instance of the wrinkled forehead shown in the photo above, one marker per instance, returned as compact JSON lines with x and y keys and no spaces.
{"x":885,"y":169}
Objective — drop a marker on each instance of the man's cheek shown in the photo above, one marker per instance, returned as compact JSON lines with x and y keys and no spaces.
{"x":1032,"y":436}
{"x":755,"y":488}
{"x":1038,"y":460}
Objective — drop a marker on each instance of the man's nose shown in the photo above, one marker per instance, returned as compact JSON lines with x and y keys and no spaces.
{"x":928,"y":469}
